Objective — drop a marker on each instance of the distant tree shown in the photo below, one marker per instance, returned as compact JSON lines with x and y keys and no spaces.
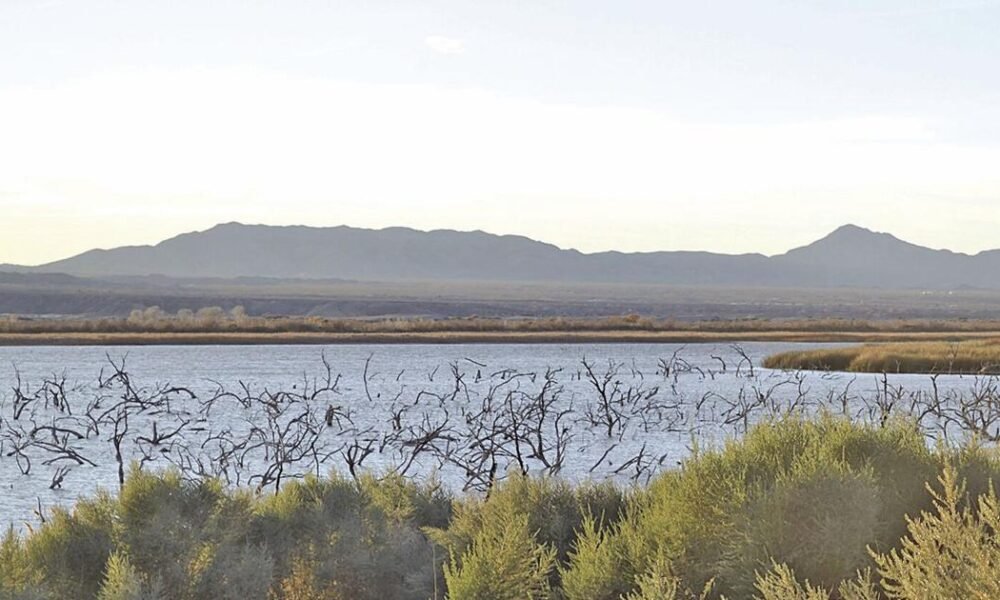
{"x":146,"y":316}
{"x":238,"y":314}
{"x":211,"y":315}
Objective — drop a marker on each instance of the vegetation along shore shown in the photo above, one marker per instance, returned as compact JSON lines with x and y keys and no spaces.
{"x":215,"y":326}
{"x":977,"y":357}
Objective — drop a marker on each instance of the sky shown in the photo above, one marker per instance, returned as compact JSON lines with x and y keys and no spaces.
{"x":631,"y":125}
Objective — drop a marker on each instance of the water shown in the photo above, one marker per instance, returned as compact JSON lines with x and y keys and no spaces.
{"x":661,"y":397}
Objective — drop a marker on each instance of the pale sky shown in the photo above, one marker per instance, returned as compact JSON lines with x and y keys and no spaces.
{"x":726,"y":126}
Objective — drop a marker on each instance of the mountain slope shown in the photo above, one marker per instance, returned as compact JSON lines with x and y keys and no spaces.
{"x":393,"y":254}
{"x":855,"y":256}
{"x":850,"y":256}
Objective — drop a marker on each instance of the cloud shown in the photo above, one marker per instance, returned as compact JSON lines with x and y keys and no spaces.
{"x":445,"y":45}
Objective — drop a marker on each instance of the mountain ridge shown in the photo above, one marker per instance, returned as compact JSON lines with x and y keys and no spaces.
{"x":850,"y":256}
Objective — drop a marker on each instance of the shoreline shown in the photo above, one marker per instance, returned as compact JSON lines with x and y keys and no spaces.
{"x":476,"y":337}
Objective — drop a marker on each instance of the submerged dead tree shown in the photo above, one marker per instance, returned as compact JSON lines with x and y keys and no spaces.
{"x":466,"y":422}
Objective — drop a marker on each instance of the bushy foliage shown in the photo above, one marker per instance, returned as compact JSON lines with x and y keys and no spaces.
{"x":504,"y":562}
{"x":796,"y":510}
{"x":123,"y":582}
{"x":659,"y":583}
{"x":599,"y":563}
{"x":950,"y":552}
{"x":303,"y":583}
{"x":365,"y":539}
{"x":66,"y":556}
{"x":811,"y":494}
{"x":555,"y":510}
{"x":164,"y":537}
{"x":781,"y":584}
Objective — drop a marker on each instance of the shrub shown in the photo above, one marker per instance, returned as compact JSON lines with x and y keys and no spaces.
{"x":165,"y":524}
{"x":659,"y":583}
{"x":363,"y":538}
{"x":66,"y":556}
{"x":504,"y":562}
{"x":596,"y":570}
{"x":818,"y":519}
{"x":231,"y":572}
{"x":15,"y":577}
{"x":813,"y":493}
{"x":949,"y":552}
{"x":303,"y":583}
{"x":781,"y":584}
{"x":123,"y":582}
{"x":555,"y":511}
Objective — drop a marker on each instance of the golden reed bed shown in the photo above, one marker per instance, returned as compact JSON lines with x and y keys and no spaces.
{"x":980,"y":356}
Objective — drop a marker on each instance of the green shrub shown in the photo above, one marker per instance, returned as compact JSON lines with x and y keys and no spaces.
{"x":597,"y":571}
{"x":363,"y":538}
{"x":812,"y":493}
{"x":302,"y":583}
{"x":949,"y":552}
{"x":16,"y":579}
{"x":818,"y":519}
{"x":781,"y":584}
{"x":504,"y":562}
{"x":659,"y":583}
{"x":313,"y":513}
{"x":555,"y":511}
{"x":66,"y":556}
{"x":164,"y":525}
{"x":401,"y":500}
{"x":123,"y":582}
{"x":231,"y":572}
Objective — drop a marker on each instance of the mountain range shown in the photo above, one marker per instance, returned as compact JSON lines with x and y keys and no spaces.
{"x":851,"y":256}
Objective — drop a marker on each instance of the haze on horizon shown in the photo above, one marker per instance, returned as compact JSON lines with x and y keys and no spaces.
{"x":638,"y":126}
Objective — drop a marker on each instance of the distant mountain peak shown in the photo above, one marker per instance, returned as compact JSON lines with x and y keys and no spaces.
{"x":862,"y":257}
{"x":855,"y":232}
{"x":851,"y":229}
{"x":853,"y":238}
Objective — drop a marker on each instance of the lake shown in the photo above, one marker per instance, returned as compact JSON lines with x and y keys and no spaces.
{"x":258,"y":415}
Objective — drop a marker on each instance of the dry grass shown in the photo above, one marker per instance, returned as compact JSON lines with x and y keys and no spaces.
{"x":56,"y":338}
{"x":215,"y":326}
{"x":215,"y":320}
{"x":971,"y":356}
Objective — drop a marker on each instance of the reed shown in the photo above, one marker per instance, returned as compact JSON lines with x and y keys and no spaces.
{"x":964,"y":357}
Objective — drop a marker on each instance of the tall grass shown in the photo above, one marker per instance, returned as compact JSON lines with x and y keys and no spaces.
{"x":969,"y":357}
{"x":811,"y":509}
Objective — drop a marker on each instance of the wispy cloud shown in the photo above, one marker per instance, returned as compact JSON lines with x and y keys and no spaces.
{"x":445,"y":45}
